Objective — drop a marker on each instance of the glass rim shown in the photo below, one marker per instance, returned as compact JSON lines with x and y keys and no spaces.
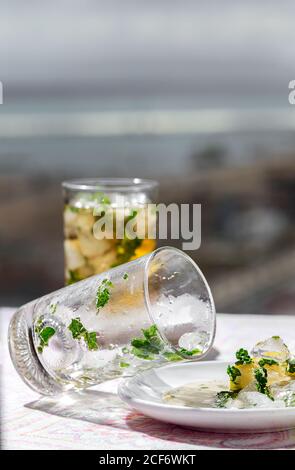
{"x":110,"y":184}
{"x":147,"y":301}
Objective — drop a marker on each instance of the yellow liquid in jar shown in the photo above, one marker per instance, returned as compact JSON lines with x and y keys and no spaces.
{"x":86,"y":256}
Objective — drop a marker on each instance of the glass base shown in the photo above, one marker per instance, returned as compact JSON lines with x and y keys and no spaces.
{"x":24,"y":356}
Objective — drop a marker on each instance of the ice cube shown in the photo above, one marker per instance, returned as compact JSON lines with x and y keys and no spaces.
{"x":179,"y":315}
{"x":73,"y":255}
{"x":193,"y":340}
{"x":284,"y":391}
{"x":250,"y":399}
{"x":271,"y":348}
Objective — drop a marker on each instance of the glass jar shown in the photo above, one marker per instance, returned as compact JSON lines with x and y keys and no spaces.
{"x":86,"y":201}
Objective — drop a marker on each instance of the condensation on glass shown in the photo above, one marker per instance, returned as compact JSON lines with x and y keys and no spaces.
{"x":153,"y":310}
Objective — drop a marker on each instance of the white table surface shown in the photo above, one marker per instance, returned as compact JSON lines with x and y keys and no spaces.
{"x":97,"y":419}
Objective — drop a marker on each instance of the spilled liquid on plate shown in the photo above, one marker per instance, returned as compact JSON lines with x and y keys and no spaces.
{"x":197,"y":394}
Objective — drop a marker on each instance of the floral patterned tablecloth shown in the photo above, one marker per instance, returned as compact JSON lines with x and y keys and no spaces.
{"x":97,"y":419}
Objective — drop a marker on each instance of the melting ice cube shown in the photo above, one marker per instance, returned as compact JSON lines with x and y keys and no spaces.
{"x":284,"y":391}
{"x":193,"y":340}
{"x":272,"y":348}
{"x":256,"y":399}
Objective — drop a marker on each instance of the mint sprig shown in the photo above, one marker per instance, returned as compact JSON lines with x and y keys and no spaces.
{"x":151,"y":345}
{"x":148,"y":346}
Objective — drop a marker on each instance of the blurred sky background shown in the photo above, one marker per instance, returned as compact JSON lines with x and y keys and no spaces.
{"x":193,"y":93}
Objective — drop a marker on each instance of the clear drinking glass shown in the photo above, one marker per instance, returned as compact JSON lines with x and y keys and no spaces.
{"x":155,"y":309}
{"x":85,"y":200}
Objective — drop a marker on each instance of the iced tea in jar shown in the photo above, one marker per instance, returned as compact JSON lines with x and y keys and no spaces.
{"x":107,"y":222}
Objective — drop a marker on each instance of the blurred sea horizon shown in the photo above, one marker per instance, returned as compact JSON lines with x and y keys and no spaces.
{"x":155,"y":136}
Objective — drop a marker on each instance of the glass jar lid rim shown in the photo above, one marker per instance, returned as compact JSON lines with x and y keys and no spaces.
{"x":110,"y":184}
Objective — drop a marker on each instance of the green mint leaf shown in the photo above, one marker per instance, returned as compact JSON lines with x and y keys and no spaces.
{"x":291,"y":366}
{"x":124,"y":364}
{"x":76,"y":328}
{"x":233,"y":373}
{"x":172,"y":356}
{"x":99,"y":198}
{"x":142,"y":353}
{"x":243,"y":357}
{"x":38,"y":326}
{"x":125,"y":276}
{"x":223,"y":397}
{"x":125,"y":250}
{"x":52,"y":308}
{"x":105,"y":200}
{"x":90,"y":340}
{"x":103,"y":293}
{"x":74,"y":209}
{"x":177,"y":355}
{"x":269,"y":362}
{"x":188,"y":352}
{"x":131,"y":216}
{"x":150,"y":332}
{"x":44,"y":335}
{"x":79,"y":331}
{"x":260,"y":375}
{"x":139,"y":343}
{"x":149,"y":345}
{"x":74,"y":277}
{"x":145,"y":345}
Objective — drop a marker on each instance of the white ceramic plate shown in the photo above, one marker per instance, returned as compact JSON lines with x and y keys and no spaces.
{"x":144,"y":392}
